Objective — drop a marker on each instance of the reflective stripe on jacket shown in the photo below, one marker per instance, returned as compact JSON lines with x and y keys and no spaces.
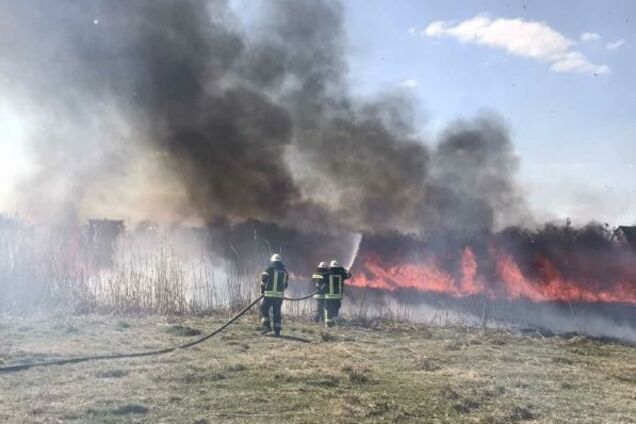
{"x":274,"y":281}
{"x":335,"y":283}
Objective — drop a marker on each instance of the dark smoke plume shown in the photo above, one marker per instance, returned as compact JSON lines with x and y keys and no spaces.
{"x":256,"y":127}
{"x":473,"y":169}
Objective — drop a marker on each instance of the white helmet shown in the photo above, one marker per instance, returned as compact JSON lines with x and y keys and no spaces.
{"x":334,"y":264}
{"x":276,"y":258}
{"x":322,"y":264}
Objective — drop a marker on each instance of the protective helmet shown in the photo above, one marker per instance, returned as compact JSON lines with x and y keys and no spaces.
{"x":322,"y":264}
{"x":276,"y":258}
{"x":334,"y":264}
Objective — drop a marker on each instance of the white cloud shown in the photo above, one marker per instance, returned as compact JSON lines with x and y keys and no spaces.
{"x":413,"y":30}
{"x":590,"y":36}
{"x":410,"y":83}
{"x":576,"y":62}
{"x":615,"y":45}
{"x":534,"y":40}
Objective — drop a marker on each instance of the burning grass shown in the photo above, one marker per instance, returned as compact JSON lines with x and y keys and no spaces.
{"x":389,"y":372}
{"x":590,"y":264}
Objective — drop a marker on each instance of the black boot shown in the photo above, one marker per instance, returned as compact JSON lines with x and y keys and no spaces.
{"x":276,"y":332}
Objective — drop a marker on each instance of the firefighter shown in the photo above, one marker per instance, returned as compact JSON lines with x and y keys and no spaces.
{"x":333,"y":291}
{"x":274,"y":281}
{"x":319,"y":278}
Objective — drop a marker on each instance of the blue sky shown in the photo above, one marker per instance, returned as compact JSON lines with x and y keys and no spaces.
{"x":575,"y":129}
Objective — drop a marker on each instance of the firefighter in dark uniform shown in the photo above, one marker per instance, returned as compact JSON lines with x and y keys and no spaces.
{"x":319,"y":278}
{"x":274,"y":281}
{"x":333,"y":291}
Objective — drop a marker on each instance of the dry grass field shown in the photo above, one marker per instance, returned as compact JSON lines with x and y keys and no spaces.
{"x":383,"y":372}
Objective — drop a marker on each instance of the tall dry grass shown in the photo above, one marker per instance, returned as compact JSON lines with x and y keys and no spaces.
{"x":45,"y":267}
{"x":163,"y":271}
{"x":34,"y":272}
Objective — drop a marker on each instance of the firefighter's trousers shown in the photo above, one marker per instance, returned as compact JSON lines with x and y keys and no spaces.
{"x":319,"y":312}
{"x":275,"y":304}
{"x":332,"y":308}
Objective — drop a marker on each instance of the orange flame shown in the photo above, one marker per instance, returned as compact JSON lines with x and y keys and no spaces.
{"x":511,"y":283}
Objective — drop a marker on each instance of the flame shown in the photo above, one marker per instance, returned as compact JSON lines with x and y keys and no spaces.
{"x":510,"y":282}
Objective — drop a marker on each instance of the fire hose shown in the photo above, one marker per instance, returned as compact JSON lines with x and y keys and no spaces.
{"x":22,"y":367}
{"x":296,"y":299}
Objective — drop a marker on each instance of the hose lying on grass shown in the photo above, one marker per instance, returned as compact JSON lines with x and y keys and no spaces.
{"x":21,"y":367}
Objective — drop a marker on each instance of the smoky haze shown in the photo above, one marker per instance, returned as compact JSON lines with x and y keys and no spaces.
{"x":171,"y":110}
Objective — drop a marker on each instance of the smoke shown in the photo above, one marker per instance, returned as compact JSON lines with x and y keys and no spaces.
{"x":250,"y":242}
{"x":474,"y":169}
{"x":83,"y":135}
{"x":174,"y":103}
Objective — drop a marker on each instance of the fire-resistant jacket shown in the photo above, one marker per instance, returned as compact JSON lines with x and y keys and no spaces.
{"x":274,"y":280}
{"x":319,"y":278}
{"x":335,"y":282}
